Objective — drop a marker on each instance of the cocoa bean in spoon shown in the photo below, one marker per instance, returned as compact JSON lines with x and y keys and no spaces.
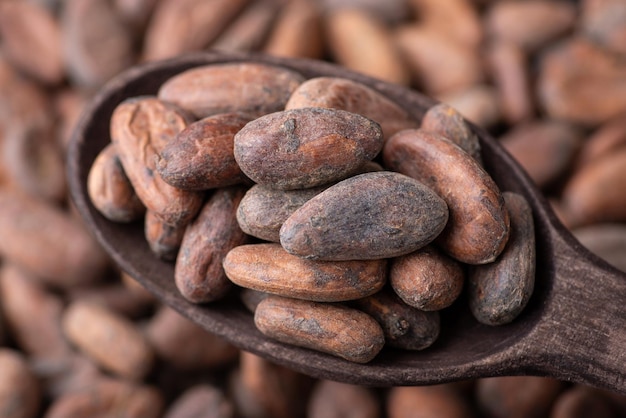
{"x":573,"y":328}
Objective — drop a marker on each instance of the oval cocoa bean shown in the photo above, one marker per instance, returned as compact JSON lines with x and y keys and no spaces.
{"x":110,"y":190}
{"x":198,"y":272}
{"x":269,"y":268}
{"x":479,"y":223}
{"x":263,"y":210}
{"x":163,"y":239}
{"x":306,"y":147}
{"x":499,"y":291}
{"x":352,"y":96}
{"x":140,"y":129}
{"x":252,"y":88}
{"x":201,"y":156}
{"x":404,"y":326}
{"x":427,"y":279}
{"x":369,"y":216}
{"x":330,"y":328}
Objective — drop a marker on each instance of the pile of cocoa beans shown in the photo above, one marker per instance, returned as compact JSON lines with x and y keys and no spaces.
{"x":546,"y":77}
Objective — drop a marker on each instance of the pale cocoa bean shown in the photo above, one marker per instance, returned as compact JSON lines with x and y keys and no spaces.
{"x":183,"y":344}
{"x":431,"y":401}
{"x":427,"y":279}
{"x":140,"y":129}
{"x":181,"y":26}
{"x":438,"y":64}
{"x":33,"y":161}
{"x":198,"y":271}
{"x":345,"y":94}
{"x":580,"y":402}
{"x":517,"y":396}
{"x":251,"y":88}
{"x":545,"y":148}
{"x":331,"y":399}
{"x":306,"y":147}
{"x":201,"y":401}
{"x":362,"y":42}
{"x":458,"y":19}
{"x":32,"y":315}
{"x":263,"y":210}
{"x":606,"y":240}
{"x":135,"y":13}
{"x":479,"y":104}
{"x":75,"y":373}
{"x":499,"y":291}
{"x":297,"y":31}
{"x":31,"y":39}
{"x":262,"y":389}
{"x":97,"y":45}
{"x":508,"y":65}
{"x":444,"y":120}
{"x":201,"y":156}
{"x":591,"y":195}
{"x":109,"y":339}
{"x":20,"y":394}
{"x":68,"y":106}
{"x":250,"y":29}
{"x":354,"y":219}
{"x":31,"y":230}
{"x":478,"y":227}
{"x":110,"y":189}
{"x":599,"y":77}
{"x":604,"y":140}
{"x":391,"y":12}
{"x":530,"y":24}
{"x":604,"y":21}
{"x":164,"y":239}
{"x":107,"y":398}
{"x":269,"y":268}
{"x":404,"y":326}
{"x":333,"y":329}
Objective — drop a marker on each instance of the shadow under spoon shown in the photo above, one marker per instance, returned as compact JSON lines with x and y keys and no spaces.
{"x":573,"y":329}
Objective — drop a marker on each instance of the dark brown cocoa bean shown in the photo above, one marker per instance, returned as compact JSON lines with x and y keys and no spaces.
{"x":427,"y":279}
{"x":269,"y":268}
{"x":306,"y":147}
{"x":255,"y":89}
{"x":110,"y":190}
{"x":140,"y":129}
{"x":478,"y":227}
{"x":201,"y":156}
{"x":198,"y":272}
{"x":330,"y":328}
{"x":444,"y":120}
{"x":263,"y":210}
{"x":499,"y":291}
{"x":354,"y":219}
{"x":404,"y":326}
{"x":345,"y":94}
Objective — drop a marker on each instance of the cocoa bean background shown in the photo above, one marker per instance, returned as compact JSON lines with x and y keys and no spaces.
{"x":547,"y":77}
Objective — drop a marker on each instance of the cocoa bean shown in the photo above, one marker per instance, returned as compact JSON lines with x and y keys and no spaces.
{"x":20,"y":394}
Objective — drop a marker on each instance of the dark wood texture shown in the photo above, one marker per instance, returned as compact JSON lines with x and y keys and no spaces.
{"x":573,"y":329}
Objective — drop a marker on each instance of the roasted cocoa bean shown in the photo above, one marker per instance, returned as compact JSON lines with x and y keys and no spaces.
{"x":478,"y":228}
{"x":431,"y":402}
{"x":345,"y":94}
{"x":499,"y":291}
{"x":110,"y":189}
{"x":254,"y":89}
{"x":198,"y":272}
{"x":353,"y":220}
{"x":164,"y":239}
{"x":201,"y":156}
{"x":201,"y":401}
{"x":334,"y":329}
{"x":306,"y":147}
{"x":427,"y":279}
{"x":269,"y":268}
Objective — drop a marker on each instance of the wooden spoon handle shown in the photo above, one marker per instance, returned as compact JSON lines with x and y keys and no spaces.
{"x":583,"y":335}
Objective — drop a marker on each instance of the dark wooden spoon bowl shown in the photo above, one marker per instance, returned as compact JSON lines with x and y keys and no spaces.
{"x":573,"y":329}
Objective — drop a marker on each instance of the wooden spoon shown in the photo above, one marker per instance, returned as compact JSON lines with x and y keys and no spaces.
{"x":573,"y":329}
